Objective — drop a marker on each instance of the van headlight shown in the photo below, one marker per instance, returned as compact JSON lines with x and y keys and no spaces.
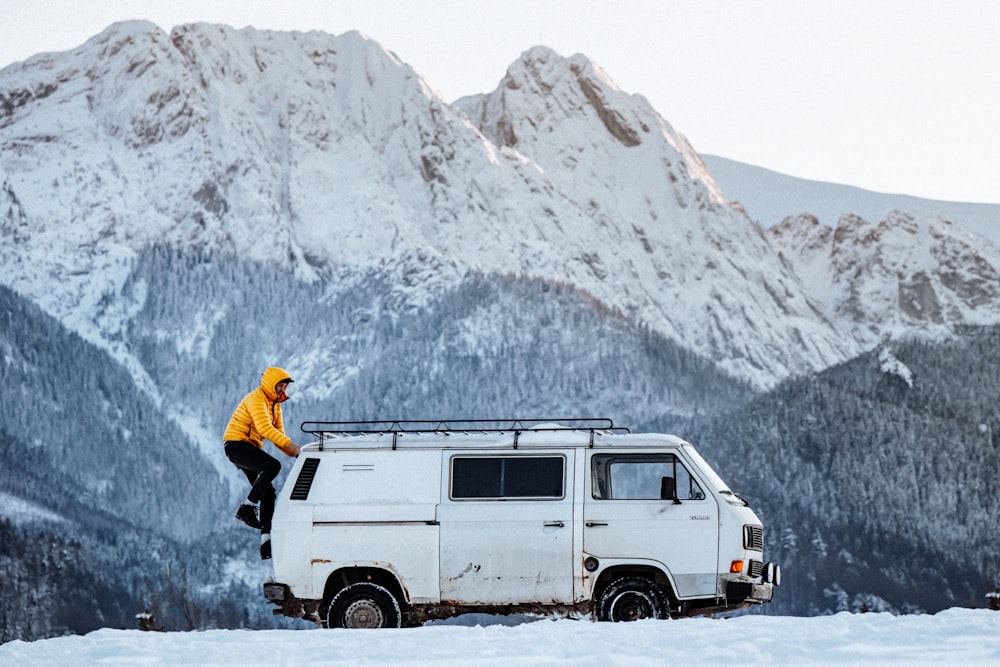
{"x":771,"y":574}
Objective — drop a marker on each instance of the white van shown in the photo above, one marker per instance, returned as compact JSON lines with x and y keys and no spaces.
{"x":383,"y":524}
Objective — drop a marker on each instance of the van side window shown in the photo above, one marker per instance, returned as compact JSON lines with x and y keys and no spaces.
{"x":639,"y":477}
{"x":488,"y":477}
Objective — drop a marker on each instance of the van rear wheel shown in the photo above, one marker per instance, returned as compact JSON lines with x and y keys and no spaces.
{"x":364,"y":605}
{"x":632,"y":599}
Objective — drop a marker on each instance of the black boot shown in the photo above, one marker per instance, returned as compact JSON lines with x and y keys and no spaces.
{"x":247,"y":513}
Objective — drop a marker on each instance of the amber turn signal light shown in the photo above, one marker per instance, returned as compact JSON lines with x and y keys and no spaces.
{"x":736,"y":567}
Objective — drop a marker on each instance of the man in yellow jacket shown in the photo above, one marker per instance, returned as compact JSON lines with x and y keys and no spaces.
{"x":256,"y":418}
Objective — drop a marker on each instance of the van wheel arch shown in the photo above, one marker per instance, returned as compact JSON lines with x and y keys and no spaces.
{"x":364,"y":605}
{"x":635,"y":578}
{"x":348,"y":576}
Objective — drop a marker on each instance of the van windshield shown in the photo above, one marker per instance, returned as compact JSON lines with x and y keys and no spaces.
{"x":708,"y":474}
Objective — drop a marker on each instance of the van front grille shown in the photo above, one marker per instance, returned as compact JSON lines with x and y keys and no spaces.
{"x":305,"y":479}
{"x":753,"y":537}
{"x":756,"y":568}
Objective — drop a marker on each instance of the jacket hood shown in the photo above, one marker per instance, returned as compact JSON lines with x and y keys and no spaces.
{"x":271,"y":377}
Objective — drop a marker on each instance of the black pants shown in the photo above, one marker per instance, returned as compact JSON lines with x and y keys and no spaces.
{"x":260,"y":468}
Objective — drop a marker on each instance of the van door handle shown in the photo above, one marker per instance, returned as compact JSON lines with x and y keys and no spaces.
{"x":555,"y":524}
{"x":591,"y":524}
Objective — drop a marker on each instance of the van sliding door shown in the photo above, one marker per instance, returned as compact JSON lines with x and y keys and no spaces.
{"x":507,"y":529}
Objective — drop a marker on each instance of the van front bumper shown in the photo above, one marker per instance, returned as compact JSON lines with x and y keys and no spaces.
{"x":741,"y":592}
{"x":735,"y":595}
{"x":746,"y":591}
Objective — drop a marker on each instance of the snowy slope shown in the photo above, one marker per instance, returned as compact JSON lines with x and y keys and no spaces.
{"x":955,"y":637}
{"x":901,"y":275}
{"x":329,"y":157}
{"x":770,"y":197}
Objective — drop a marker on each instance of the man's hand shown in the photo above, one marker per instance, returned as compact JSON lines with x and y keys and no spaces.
{"x":293,"y":450}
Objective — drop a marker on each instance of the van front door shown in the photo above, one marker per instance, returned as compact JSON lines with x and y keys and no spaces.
{"x":507,"y":529}
{"x":625,"y":518}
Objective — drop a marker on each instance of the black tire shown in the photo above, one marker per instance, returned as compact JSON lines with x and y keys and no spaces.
{"x":364,"y":605}
{"x":632,"y":599}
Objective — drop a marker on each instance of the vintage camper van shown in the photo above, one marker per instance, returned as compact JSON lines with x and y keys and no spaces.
{"x":383,"y":524}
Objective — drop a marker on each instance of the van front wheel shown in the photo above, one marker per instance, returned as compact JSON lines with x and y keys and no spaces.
{"x":632,"y":599}
{"x":364,"y":605}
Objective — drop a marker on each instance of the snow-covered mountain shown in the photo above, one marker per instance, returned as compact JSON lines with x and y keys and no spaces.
{"x":905,"y":274}
{"x":661,"y":235}
{"x":329,"y":157}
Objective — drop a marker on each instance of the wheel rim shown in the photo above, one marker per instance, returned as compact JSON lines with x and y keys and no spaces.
{"x":632,"y":606}
{"x":363,"y":614}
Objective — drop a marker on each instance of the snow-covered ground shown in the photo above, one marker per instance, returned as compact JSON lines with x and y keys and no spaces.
{"x":953,"y":637}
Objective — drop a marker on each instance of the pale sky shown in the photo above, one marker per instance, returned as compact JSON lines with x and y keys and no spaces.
{"x":897,"y":96}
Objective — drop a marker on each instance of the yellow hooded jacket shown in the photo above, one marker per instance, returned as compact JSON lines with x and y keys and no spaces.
{"x":258,"y":416}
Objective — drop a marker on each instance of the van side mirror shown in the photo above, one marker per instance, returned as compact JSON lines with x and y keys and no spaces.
{"x":668,"y":490}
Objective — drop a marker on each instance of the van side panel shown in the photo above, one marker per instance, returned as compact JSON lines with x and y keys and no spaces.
{"x":376,"y":508}
{"x":409,"y":551}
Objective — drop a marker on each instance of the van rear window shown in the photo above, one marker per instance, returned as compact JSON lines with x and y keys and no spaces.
{"x":481,"y":477}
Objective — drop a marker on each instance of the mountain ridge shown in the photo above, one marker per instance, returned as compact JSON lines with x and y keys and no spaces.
{"x":770,"y":196}
{"x":901,"y":275}
{"x":556,"y":175}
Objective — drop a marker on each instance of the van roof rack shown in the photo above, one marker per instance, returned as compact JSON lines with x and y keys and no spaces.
{"x":396,"y":427}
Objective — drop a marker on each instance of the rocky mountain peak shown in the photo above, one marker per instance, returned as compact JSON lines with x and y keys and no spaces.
{"x":545,"y":99}
{"x":853,"y":229}
{"x":803,"y":232}
{"x":612,"y":153}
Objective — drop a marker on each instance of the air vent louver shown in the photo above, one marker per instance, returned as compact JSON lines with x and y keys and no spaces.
{"x":305,"y":479}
